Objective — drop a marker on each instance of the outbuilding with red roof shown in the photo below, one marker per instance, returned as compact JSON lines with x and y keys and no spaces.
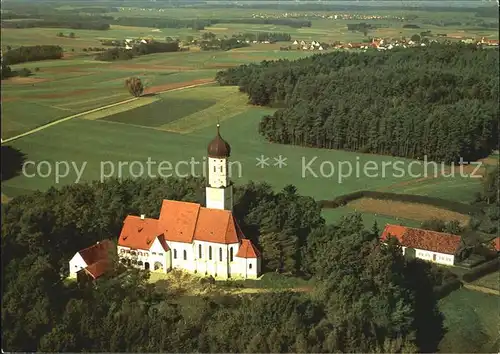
{"x":437,"y":247}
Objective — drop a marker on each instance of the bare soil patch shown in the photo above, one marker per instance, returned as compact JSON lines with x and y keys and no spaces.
{"x":10,"y":99}
{"x":490,"y":161}
{"x":25,"y":80}
{"x":63,"y":94}
{"x":414,"y":211}
{"x":166,"y":87}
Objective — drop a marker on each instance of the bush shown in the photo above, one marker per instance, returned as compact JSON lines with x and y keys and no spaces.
{"x":481,"y":270}
{"x":447,"y":287}
{"x":24,"y":72}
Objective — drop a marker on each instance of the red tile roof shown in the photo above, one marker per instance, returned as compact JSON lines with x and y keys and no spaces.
{"x":96,"y":252}
{"x":496,"y":244}
{"x":178,"y":220}
{"x":247,"y":250}
{"x":423,"y":239}
{"x":98,"y":268}
{"x":181,"y":222}
{"x":219,"y":226}
{"x":138,"y":233}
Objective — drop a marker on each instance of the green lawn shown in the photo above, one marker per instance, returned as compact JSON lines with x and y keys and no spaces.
{"x":471,"y":321}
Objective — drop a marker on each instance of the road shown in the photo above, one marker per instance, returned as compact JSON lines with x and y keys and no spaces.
{"x":61,"y":120}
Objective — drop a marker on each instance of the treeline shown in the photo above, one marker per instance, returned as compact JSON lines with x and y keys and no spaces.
{"x":367,"y":297}
{"x":200,"y":24}
{"x":438,"y":101}
{"x":32,"y":53}
{"x":90,"y":23}
{"x":264,"y":36}
{"x":137,"y":50}
{"x":222,"y":44}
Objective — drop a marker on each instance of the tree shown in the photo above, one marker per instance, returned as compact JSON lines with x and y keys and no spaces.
{"x":134,"y":86}
{"x":415,"y":38}
{"x":71,"y":35}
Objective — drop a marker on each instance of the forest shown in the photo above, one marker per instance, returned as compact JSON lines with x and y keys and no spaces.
{"x":31,"y":53}
{"x":119,"y":53}
{"x":367,"y":297}
{"x":439,"y":101}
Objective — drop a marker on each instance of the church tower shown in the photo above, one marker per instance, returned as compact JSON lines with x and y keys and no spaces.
{"x":219,"y":189}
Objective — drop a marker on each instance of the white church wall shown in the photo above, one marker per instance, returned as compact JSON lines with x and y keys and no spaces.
{"x":217,"y":172}
{"x":76,"y":264}
{"x":249,"y":267}
{"x":219,"y":198}
{"x":214,"y":265}
{"x":159,"y":258}
{"x":182,"y":255}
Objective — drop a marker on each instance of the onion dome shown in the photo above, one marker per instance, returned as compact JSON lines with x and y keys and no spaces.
{"x":218,"y":147}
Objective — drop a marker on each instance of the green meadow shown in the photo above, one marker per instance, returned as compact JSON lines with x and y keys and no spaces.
{"x":471,"y":322}
{"x":177,"y":126}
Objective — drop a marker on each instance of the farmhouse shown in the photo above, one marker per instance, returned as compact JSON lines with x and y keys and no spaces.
{"x":92,"y":261}
{"x":187,"y":236}
{"x":437,"y":247}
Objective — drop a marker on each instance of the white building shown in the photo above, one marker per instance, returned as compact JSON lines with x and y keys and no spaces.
{"x":203,"y":240}
{"x":437,"y":247}
{"x":93,"y":260}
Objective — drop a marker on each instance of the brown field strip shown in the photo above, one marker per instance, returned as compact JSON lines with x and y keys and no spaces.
{"x":414,"y":211}
{"x":166,"y":87}
{"x":24,"y":80}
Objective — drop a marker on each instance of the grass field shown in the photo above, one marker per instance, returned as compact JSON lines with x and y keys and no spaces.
{"x":92,"y":141}
{"x":491,"y":281}
{"x":471,"y":321}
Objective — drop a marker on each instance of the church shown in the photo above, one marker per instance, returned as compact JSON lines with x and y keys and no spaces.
{"x":187,"y":236}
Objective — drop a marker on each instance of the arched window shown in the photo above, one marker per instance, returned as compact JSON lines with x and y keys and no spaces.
{"x":175,"y":254}
{"x":221,"y":168}
{"x":210,"y":252}
{"x":220,"y":254}
{"x":214,"y":169}
{"x":184,"y":254}
{"x":250,"y":266}
{"x":199,"y":252}
{"x":231,"y":254}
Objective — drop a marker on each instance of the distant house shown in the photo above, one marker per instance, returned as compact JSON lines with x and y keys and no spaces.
{"x":495,"y":244}
{"x":295,"y":42}
{"x":92,"y":261}
{"x":437,"y":247}
{"x":320,"y":48}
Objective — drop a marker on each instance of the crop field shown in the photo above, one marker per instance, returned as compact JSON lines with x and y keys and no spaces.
{"x":413,"y":211}
{"x":160,"y":112}
{"x":471,"y":321}
{"x":92,"y":141}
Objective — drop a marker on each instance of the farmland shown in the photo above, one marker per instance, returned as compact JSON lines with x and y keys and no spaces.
{"x":170,"y":125}
{"x":168,"y":132}
{"x":82,"y":125}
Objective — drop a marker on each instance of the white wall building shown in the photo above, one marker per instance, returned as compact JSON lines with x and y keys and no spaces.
{"x":432,"y":246}
{"x":93,"y":260}
{"x":187,"y":236}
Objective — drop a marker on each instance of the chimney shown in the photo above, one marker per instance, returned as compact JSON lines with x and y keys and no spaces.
{"x":143,"y":216}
